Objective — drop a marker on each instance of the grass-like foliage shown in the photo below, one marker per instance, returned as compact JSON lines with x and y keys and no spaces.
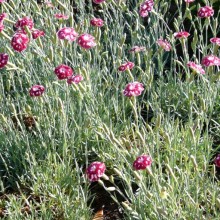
{"x":50,"y":135}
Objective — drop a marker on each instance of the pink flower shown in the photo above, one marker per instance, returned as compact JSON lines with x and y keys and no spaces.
{"x":19,"y":42}
{"x":37,"y":33}
{"x":181,"y":34}
{"x":95,"y":171}
{"x":49,"y":4}
{"x":205,"y":12}
{"x":1,"y":27}
{"x":164,"y":44}
{"x":189,"y":1}
{"x":146,"y":7}
{"x":196,"y":67}
{"x":136,"y":49}
{"x":1,"y":1}
{"x":75,"y":79}
{"x":36,"y":90}
{"x":133,"y":89}
{"x":2,"y":17}
{"x":217,"y":160}
{"x":126,"y":66}
{"x":142,"y":162}
{"x":61,"y":16}
{"x":86,"y":41}
{"x":67,"y":33}
{"x":3,"y":60}
{"x":97,"y":22}
{"x":63,"y":71}
{"x":98,"y":1}
{"x":215,"y":40}
{"x":211,"y":60}
{"x":25,"y":21}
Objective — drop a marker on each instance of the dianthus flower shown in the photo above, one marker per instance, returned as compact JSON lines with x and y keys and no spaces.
{"x":181,"y":34}
{"x":133,"y":89}
{"x":164,"y":44}
{"x":205,"y":12}
{"x":211,"y":60}
{"x":97,"y":22}
{"x":215,"y":40}
{"x":146,"y":7}
{"x":196,"y":67}
{"x":67,"y":33}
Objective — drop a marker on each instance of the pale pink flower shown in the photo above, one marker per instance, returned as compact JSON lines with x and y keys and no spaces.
{"x":61,"y":16}
{"x":164,"y":44}
{"x":196,"y":67}
{"x":189,"y":1}
{"x":136,"y":49}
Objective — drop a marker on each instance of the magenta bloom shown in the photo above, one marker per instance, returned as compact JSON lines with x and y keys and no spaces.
{"x":136,"y":49}
{"x":75,"y":79}
{"x":3,"y":60}
{"x":19,"y":42}
{"x":142,"y":162}
{"x":98,"y":1}
{"x":196,"y":67}
{"x":25,"y":21}
{"x":63,"y":71}
{"x":211,"y":60}
{"x":133,"y":89}
{"x":205,"y":12}
{"x":181,"y":34}
{"x":1,"y":27}
{"x":86,"y":41}
{"x":164,"y":44}
{"x":126,"y":66}
{"x":2,"y":17}
{"x":1,"y":1}
{"x":215,"y":40}
{"x":146,"y":7}
{"x":95,"y":171}
{"x":97,"y":22}
{"x":217,"y":160}
{"x":67,"y":33}
{"x":37,"y":33}
{"x":189,"y":1}
{"x":36,"y":90}
{"x":61,"y":16}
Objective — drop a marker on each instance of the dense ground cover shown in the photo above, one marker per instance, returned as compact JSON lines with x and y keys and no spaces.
{"x":49,"y":135}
